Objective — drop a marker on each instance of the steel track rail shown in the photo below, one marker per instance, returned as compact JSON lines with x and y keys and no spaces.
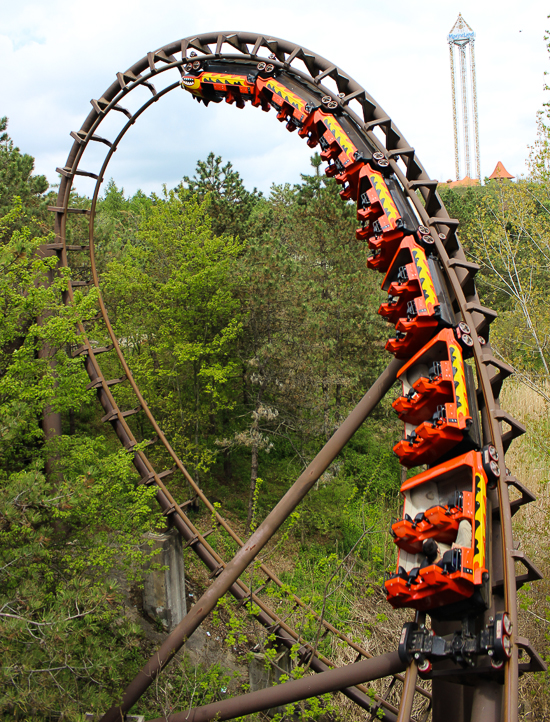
{"x":421,"y":190}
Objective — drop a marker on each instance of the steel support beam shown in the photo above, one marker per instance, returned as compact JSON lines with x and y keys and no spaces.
{"x":255,"y":544}
{"x":448,"y":702}
{"x":409,"y":684}
{"x":407,"y":696}
{"x":332,"y":681}
{"x":487,"y":702}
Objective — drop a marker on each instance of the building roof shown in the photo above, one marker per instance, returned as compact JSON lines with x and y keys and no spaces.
{"x":464,"y":182}
{"x":500,"y":172}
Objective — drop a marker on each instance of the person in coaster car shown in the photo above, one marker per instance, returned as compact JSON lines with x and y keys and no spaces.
{"x":432,"y":550}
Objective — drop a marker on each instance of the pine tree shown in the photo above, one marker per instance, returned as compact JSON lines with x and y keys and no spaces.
{"x":230,"y":203}
{"x":17,"y":179}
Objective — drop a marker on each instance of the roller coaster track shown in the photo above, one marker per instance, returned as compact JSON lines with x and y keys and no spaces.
{"x":460,"y":692}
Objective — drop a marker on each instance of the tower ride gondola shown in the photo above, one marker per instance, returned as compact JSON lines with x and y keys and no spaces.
{"x":456,"y":556}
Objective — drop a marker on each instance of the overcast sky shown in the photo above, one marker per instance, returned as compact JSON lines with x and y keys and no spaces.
{"x":57,"y":55}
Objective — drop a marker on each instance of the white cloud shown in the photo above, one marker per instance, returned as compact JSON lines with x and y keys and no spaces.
{"x":60,"y":54}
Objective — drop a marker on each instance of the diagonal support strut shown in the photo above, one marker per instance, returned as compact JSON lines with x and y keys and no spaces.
{"x":289,"y":692}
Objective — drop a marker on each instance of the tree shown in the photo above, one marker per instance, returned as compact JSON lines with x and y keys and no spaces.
{"x":17,"y":179}
{"x":311,"y":322}
{"x":29,"y":381}
{"x":342,"y":296}
{"x":117,"y":222}
{"x":511,"y":241}
{"x":171,"y":297}
{"x":66,"y":642}
{"x":230,"y":203}
{"x":64,"y":639}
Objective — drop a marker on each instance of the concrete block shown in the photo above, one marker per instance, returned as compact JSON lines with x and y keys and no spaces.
{"x":262,"y":675}
{"x":164,"y":591}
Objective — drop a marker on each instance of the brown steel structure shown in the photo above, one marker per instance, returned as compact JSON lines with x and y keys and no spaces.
{"x":458,"y":694}
{"x":304,"y":688}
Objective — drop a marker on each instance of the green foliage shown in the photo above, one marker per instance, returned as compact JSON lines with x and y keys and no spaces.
{"x":311,"y":327}
{"x":36,"y":373}
{"x":17,"y":180}
{"x":462,"y":203}
{"x":66,"y":537}
{"x":255,"y":497}
{"x":118,"y":221}
{"x":172,"y":300}
{"x":312,"y":709}
{"x":230,"y":204}
{"x":508,"y":235}
{"x":65,"y":541}
{"x":371,"y":464}
{"x":187,"y":685}
{"x":235,"y":624}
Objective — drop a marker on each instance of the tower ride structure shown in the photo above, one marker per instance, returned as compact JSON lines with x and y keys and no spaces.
{"x":462,"y":38}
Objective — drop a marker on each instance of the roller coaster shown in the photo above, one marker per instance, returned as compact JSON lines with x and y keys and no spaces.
{"x":456,"y":567}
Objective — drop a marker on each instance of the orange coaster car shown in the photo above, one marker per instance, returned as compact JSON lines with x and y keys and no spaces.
{"x":442,"y":536}
{"x":382,"y":222}
{"x":438,"y":404}
{"x":418,"y":301}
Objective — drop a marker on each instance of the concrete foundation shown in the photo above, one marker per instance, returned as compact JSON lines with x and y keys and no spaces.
{"x":164,"y":591}
{"x":263,"y":674}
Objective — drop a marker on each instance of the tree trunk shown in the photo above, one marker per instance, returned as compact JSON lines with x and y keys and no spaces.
{"x":326,"y":404}
{"x":337,"y":404}
{"x":227,"y":466}
{"x":253,"y":478}
{"x":245,"y":386}
{"x":196,"y":389}
{"x":51,"y":420}
{"x":255,"y":437}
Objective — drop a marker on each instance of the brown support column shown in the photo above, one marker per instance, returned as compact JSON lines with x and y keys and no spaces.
{"x":290,"y":692}
{"x":255,"y":544}
{"x":448,"y":702}
{"x":487,"y":702}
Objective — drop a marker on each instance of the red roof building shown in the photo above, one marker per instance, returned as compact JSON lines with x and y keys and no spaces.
{"x":464,"y":182}
{"x":500,"y":173}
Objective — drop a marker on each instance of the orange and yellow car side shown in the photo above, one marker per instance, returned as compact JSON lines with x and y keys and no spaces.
{"x":434,"y":585}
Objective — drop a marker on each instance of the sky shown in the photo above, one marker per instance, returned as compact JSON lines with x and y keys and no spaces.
{"x":59,"y":54}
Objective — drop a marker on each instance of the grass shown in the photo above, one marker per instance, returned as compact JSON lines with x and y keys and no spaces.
{"x":529,"y":460}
